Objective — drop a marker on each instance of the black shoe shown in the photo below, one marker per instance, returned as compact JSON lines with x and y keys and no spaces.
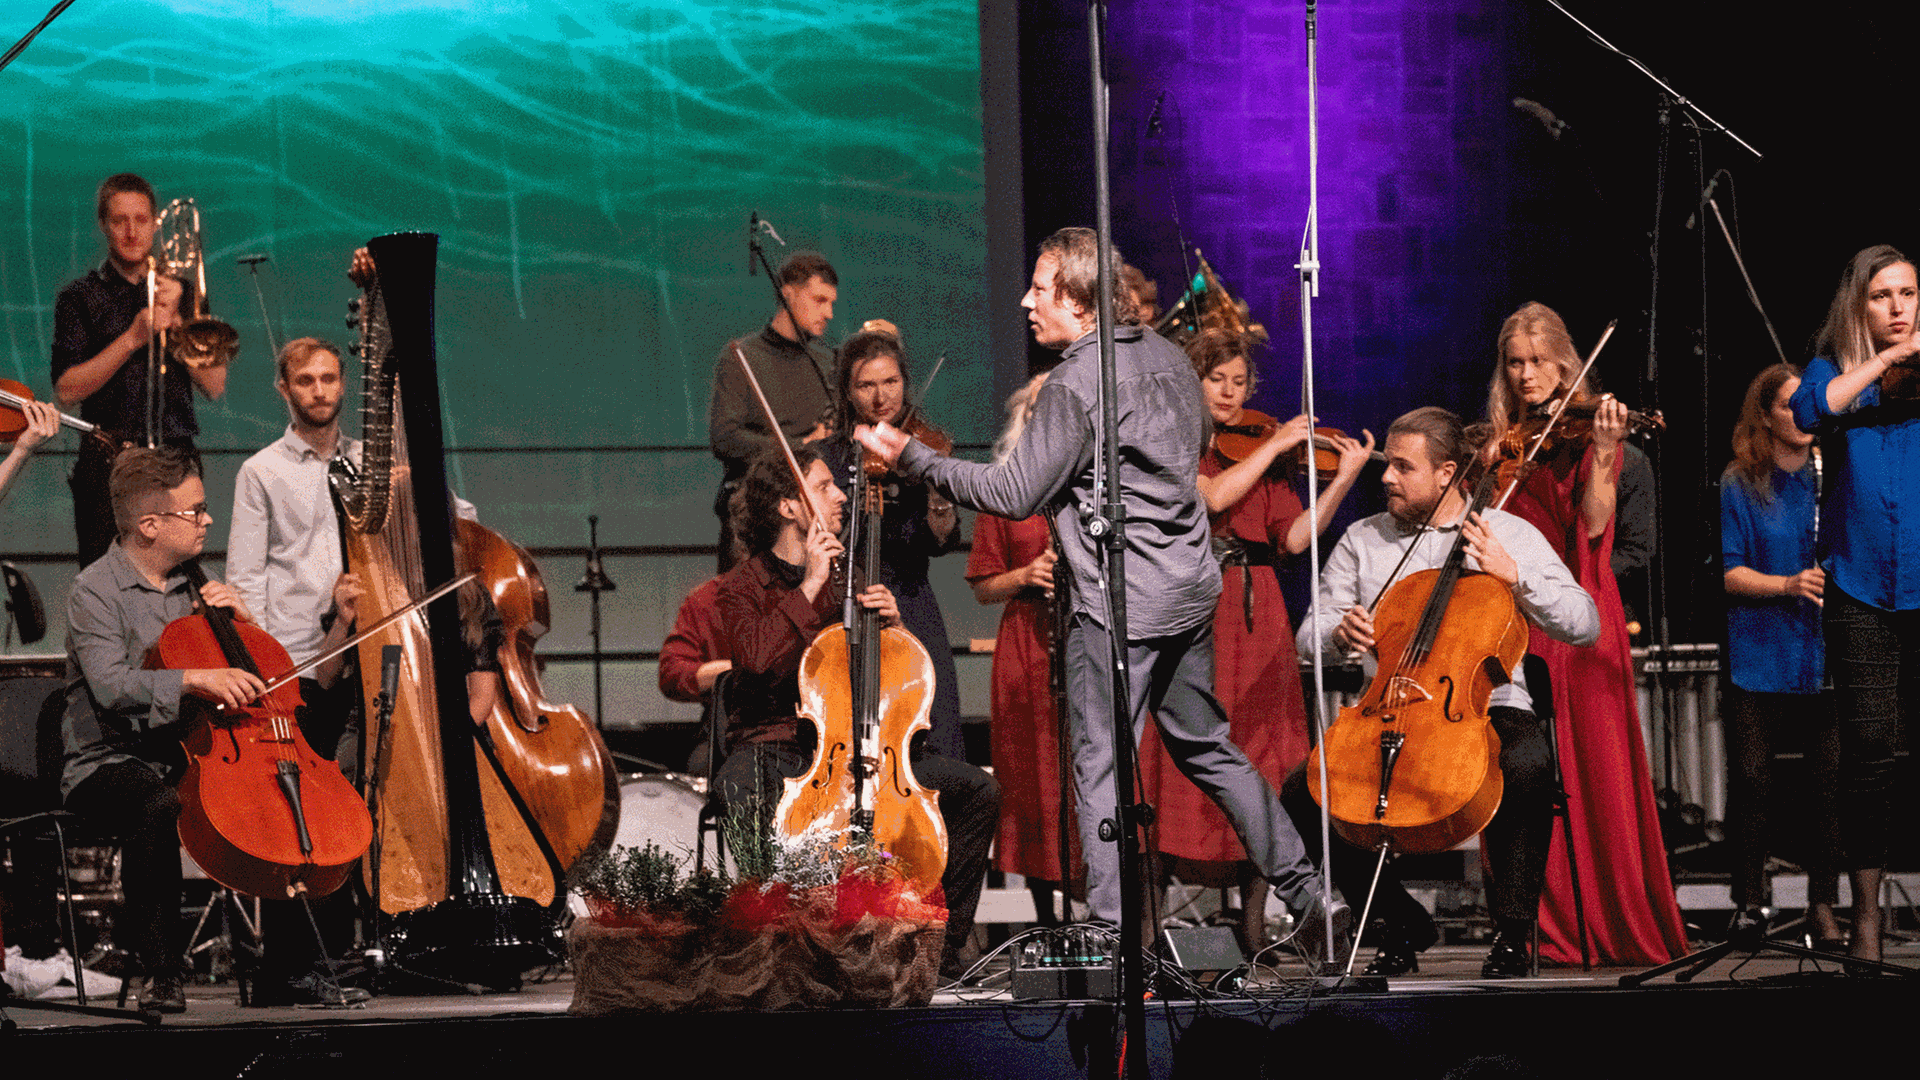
{"x":164,"y":994}
{"x":1509,"y":958}
{"x":312,"y":989}
{"x":1400,"y":948}
{"x":1394,"y":960}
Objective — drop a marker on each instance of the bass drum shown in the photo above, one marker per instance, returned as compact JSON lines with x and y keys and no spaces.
{"x":662,"y":809}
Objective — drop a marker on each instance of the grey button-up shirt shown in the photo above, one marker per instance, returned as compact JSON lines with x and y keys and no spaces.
{"x":1172,"y":578}
{"x":1547,"y":593}
{"x":114,"y":615}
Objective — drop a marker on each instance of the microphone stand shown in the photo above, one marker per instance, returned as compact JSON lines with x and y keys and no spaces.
{"x":595,"y":581}
{"x":252,"y":263}
{"x":1108,"y":529}
{"x":21,"y":45}
{"x":756,"y":252}
{"x":1309,"y":267}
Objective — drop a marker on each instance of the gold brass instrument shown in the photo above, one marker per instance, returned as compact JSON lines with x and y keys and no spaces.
{"x":1207,"y":305}
{"x":202,"y":341}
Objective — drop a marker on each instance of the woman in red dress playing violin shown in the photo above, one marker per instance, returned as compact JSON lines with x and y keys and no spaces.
{"x":1257,"y":521}
{"x":1570,"y":497}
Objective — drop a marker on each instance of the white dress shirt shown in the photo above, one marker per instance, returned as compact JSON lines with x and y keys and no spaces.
{"x":283,"y":549}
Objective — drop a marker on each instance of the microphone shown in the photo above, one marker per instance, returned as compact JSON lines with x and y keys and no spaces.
{"x":1706,"y":197}
{"x":1154,"y":126}
{"x":753,"y":228}
{"x":390,"y":671}
{"x":251,"y":260}
{"x":1555,"y":126}
{"x":767,"y":227}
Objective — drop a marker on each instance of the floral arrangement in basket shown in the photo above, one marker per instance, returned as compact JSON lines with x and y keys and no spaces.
{"x":822,"y":919}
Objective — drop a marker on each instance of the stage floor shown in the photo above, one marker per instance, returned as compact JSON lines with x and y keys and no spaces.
{"x":1758,"y":1012}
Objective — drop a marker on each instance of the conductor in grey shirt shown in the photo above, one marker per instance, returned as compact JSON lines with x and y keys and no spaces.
{"x":1172,"y":578}
{"x":1424,"y":450}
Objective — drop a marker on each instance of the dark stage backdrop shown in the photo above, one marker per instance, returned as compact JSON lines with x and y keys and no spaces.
{"x":590,"y":168}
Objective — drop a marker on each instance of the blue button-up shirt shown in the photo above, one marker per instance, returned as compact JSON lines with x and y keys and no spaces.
{"x":1774,"y":644}
{"x":1870,"y":518}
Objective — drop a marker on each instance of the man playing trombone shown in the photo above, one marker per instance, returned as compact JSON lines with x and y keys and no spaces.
{"x":103,"y":324}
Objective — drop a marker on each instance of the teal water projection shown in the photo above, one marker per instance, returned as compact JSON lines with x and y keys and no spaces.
{"x":590,"y":168}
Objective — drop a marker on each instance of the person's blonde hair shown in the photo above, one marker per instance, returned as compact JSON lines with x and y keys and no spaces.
{"x":1844,"y":338}
{"x":1549,"y":333}
{"x":1019,"y":411}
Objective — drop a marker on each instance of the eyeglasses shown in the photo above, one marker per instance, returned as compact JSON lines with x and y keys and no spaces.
{"x":191,"y":517}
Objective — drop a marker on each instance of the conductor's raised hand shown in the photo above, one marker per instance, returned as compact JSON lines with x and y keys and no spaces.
{"x":883,"y":439}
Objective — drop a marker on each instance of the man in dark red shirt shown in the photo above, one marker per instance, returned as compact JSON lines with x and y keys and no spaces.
{"x":771,"y":607}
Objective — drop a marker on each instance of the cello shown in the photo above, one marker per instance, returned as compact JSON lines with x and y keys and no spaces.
{"x":1414,"y":767}
{"x":867,"y":689}
{"x":260,"y":811}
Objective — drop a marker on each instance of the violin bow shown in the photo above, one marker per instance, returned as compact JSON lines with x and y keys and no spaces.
{"x":363,"y":635}
{"x":1541,"y":439}
{"x":779,"y":436}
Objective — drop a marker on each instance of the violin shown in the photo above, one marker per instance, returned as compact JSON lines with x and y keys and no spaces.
{"x":260,"y":811}
{"x":1236,"y":442}
{"x":1563,"y":421}
{"x":13,"y":416}
{"x":918,"y":427}
{"x":1415,"y":766}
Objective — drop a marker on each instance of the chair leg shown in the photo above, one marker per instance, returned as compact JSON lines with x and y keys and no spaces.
{"x":66,"y":911}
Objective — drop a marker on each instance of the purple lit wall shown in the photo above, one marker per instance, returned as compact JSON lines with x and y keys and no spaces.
{"x":1418,"y":190}
{"x":1413,"y":205}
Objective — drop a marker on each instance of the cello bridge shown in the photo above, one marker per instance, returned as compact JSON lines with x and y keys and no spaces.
{"x":1403,"y":690}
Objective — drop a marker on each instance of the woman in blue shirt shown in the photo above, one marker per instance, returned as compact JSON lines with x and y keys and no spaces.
{"x":1768,"y":520}
{"x":1858,"y":396}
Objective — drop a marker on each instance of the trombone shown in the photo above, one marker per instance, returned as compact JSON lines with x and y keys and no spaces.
{"x":201,"y":341}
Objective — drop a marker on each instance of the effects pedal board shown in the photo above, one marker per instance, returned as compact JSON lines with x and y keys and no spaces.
{"x":1072,"y":963}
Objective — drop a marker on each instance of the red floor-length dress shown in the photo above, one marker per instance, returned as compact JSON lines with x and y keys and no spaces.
{"x":1631,"y":914}
{"x":1025,"y":734}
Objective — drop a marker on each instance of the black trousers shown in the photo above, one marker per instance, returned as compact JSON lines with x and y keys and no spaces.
{"x":1516,"y":840}
{"x":130,"y":800}
{"x":969,"y":804}
{"x":1874,"y":657}
{"x":1756,"y":725}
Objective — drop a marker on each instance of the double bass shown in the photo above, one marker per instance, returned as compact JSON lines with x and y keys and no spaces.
{"x":468,"y":881}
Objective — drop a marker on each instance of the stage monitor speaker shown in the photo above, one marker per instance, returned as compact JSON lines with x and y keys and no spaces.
{"x":1196,"y":949}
